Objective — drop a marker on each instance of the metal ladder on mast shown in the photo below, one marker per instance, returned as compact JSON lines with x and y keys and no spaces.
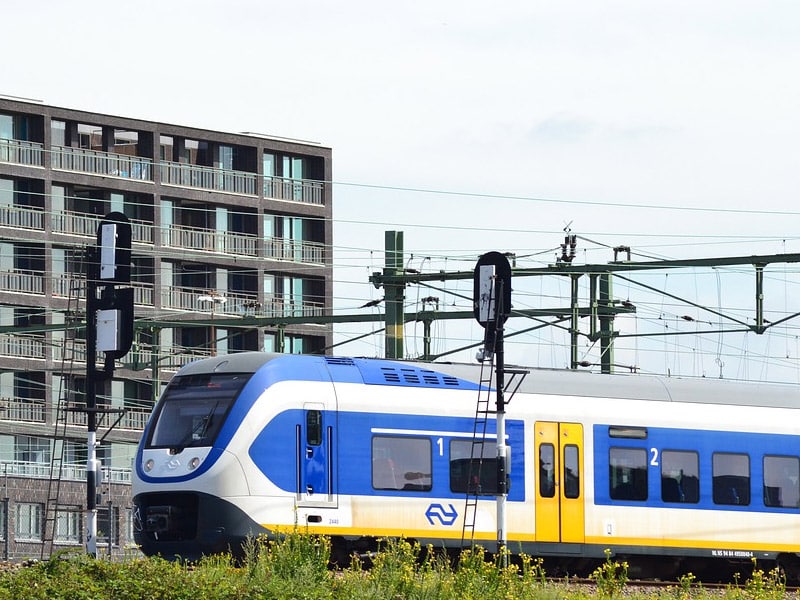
{"x":64,"y":402}
{"x":476,"y":454}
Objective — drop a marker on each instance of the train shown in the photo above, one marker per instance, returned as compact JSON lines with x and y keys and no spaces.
{"x":674,"y":473}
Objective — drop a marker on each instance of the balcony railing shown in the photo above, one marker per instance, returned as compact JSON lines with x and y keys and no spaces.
{"x":85,"y":225}
{"x":22,"y":346}
{"x":72,"y":284}
{"x":208,"y":178}
{"x":96,"y":162}
{"x":188,"y":299}
{"x":206,"y":240}
{"x":23,"y":282}
{"x":298,"y":190}
{"x":20,"y":217}
{"x":296,"y":251}
{"x":18,"y":409}
{"x":22,"y":152}
{"x":240,"y":304}
{"x":70,"y":472}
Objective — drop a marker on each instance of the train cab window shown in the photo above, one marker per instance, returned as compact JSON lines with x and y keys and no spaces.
{"x":572,"y":475}
{"x":547,"y":470}
{"x":731,"y":478}
{"x":401,"y":463}
{"x":782,"y":481}
{"x":627,"y":473}
{"x":680,"y":476}
{"x":473,"y":468}
{"x":192,"y":410}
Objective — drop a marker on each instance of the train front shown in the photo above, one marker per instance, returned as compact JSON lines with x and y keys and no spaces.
{"x":186,"y":475}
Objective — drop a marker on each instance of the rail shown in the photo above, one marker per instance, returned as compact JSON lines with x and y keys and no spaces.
{"x":208,"y":178}
{"x":70,"y":472}
{"x":297,"y":190}
{"x":18,"y":217}
{"x":97,"y":162}
{"x":22,"y":152}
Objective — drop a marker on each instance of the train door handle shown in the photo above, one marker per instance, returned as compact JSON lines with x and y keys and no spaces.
{"x":309,"y":489}
{"x":309,"y":452}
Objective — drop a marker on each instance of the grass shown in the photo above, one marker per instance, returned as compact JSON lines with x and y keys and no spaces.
{"x":296,"y":567}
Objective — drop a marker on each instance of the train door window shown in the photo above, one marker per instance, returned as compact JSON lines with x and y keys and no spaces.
{"x":782,"y":481}
{"x":547,"y":470}
{"x":572,"y":475}
{"x":627,"y":473}
{"x":473,"y":467}
{"x":401,"y":463}
{"x":731,"y":478}
{"x":314,"y":427}
{"x":680,"y":476}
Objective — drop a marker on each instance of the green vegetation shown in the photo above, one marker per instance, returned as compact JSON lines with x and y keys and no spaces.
{"x":296,"y":567}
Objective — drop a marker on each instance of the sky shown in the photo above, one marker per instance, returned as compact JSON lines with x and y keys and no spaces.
{"x":670,"y":127}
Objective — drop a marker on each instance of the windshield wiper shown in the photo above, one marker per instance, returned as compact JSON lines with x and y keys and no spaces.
{"x":198,"y":432}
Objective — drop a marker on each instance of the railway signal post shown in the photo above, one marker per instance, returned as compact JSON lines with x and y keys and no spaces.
{"x":492,"y":305}
{"x":109,"y":329}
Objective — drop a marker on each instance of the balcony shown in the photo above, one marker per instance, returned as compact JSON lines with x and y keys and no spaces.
{"x":22,"y":282}
{"x":22,"y":409}
{"x":86,"y":225}
{"x":20,"y":217}
{"x":109,"y":164}
{"x":23,"y":346}
{"x":70,"y":472}
{"x":295,"y":251}
{"x":296,"y":190}
{"x":72,"y":285}
{"x":22,"y":152}
{"x":240,"y":304}
{"x":208,"y":178}
{"x":139,"y":168}
{"x":207,"y":240}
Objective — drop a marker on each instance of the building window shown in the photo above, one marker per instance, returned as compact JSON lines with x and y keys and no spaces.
{"x":627,"y":473}
{"x":782,"y":481}
{"x":29,"y":521}
{"x":32,"y":449}
{"x":401,"y":463}
{"x":731,"y":478}
{"x":68,"y":527}
{"x":108,"y":525}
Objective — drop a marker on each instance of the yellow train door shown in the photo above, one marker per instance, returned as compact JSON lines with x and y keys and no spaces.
{"x":559,"y":482}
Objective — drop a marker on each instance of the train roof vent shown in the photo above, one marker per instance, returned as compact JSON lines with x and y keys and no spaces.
{"x":391,"y":375}
{"x":450,"y":380}
{"x":411,"y":376}
{"x":340,"y":360}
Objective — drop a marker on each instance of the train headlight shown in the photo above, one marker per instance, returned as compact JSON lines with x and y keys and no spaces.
{"x":149,"y":464}
{"x":193,"y":463}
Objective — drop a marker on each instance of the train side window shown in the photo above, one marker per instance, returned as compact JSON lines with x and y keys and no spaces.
{"x":627,"y":473}
{"x":572,"y":475}
{"x":547,"y":470}
{"x":680,"y":476}
{"x":473,"y":468}
{"x":314,"y":427}
{"x":401,"y":463}
{"x":731,"y":478}
{"x":782,"y":481}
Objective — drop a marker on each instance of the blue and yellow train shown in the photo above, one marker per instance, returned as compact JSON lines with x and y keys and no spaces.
{"x":680,"y":472}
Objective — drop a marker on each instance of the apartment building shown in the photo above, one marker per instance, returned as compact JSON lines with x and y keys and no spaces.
{"x":224,"y":227}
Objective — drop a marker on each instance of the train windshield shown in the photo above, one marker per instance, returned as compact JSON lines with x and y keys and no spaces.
{"x":193,"y":410}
